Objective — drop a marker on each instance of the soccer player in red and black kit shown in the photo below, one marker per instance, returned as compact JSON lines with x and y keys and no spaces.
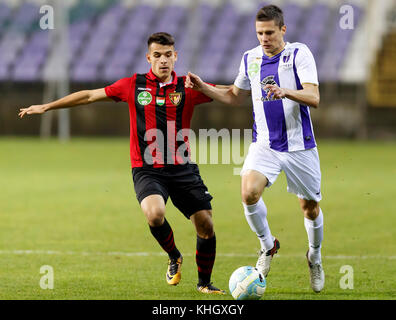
{"x":160,"y":109}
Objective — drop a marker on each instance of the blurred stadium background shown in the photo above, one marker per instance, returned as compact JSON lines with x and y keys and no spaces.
{"x":105,"y":40}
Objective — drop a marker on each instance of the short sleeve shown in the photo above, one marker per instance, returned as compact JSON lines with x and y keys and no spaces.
{"x":198,"y":97}
{"x":306,"y":66}
{"x":242,"y":80}
{"x":119,"y":90}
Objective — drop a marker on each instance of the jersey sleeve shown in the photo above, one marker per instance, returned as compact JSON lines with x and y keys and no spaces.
{"x":242,"y":80}
{"x":119,"y":90}
{"x":198,"y":97}
{"x":306,"y":66}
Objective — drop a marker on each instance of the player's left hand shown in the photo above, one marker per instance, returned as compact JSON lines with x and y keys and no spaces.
{"x":275,"y":92}
{"x":194,"y":82}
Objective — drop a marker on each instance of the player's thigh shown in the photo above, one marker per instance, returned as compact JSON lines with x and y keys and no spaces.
{"x":260,"y":169}
{"x":152,"y":193}
{"x":187,"y":190}
{"x":148,"y":181}
{"x":302,"y":169}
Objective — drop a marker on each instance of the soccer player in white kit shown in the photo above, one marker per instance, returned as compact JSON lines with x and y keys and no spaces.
{"x":283,"y":83}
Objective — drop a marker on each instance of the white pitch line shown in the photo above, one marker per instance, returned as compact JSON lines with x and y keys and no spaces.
{"x":146,"y":254}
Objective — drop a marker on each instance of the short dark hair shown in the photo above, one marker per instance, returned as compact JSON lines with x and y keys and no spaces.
{"x":163,"y":38}
{"x":271,"y":12}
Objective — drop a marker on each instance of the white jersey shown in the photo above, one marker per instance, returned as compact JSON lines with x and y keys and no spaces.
{"x":283,"y":125}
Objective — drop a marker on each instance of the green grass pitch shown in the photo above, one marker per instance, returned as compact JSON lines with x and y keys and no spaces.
{"x":72,"y":206}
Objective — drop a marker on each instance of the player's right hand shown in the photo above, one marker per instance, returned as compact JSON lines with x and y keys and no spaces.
{"x":36,"y":109}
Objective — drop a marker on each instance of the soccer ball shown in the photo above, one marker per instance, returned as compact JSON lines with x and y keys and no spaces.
{"x":247,"y":283}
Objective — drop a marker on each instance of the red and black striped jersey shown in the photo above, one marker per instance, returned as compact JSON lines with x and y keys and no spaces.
{"x":160,"y":117}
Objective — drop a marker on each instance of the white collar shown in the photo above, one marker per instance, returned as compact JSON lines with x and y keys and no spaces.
{"x":162,"y":84}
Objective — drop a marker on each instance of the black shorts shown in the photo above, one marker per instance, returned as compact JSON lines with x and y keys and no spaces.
{"x":182,"y":183}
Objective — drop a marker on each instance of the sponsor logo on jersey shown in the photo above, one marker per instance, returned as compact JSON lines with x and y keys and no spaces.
{"x":144,"y":98}
{"x":253,"y":69}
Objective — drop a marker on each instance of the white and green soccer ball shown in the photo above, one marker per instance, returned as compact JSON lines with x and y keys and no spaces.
{"x":247,"y":283}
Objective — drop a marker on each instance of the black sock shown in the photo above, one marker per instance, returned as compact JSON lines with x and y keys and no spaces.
{"x":205,"y":257}
{"x":164,"y":235}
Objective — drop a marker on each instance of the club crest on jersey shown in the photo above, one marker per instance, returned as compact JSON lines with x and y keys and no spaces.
{"x":268,"y":80}
{"x":175,"y":98}
{"x":286,"y":57}
{"x":264,"y":82}
{"x":144,"y":98}
{"x":286,"y":62}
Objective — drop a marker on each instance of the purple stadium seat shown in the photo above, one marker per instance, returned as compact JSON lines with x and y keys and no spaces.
{"x":11,"y":43}
{"x":292,"y":16}
{"x":116,"y":65}
{"x":4,"y":72}
{"x":139,"y":17}
{"x":77,"y":35}
{"x":314,"y":29}
{"x":5,"y":13}
{"x":82,"y":73}
{"x":26,"y":14}
{"x":171,"y":21}
{"x":112,"y":73}
{"x":221,"y":37}
{"x":134,"y":33}
{"x":113,"y":45}
{"x":101,"y":40}
{"x":140,"y":64}
{"x":32,"y":57}
{"x":79,"y":28}
{"x":25,"y":71}
{"x":336,"y":48}
{"x":121,"y":57}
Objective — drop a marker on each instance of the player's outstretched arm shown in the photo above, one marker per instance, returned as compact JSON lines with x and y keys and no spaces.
{"x":71,"y":100}
{"x":308,"y":96}
{"x":227,"y":94}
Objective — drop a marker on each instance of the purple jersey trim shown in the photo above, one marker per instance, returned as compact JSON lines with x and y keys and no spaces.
{"x":274,"y":114}
{"x":308,"y":137}
{"x":254,"y":134}
{"x":246,"y":66}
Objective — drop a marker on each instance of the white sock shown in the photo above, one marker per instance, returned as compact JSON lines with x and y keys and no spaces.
{"x":315,"y":236}
{"x":256,"y":216}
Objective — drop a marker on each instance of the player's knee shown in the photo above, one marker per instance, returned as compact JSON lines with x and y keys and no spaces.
{"x":310,"y":214}
{"x":155,"y":216}
{"x":253,"y":184}
{"x":204,"y":225}
{"x":250,"y":196}
{"x":310,"y":209}
{"x":207,"y":230}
